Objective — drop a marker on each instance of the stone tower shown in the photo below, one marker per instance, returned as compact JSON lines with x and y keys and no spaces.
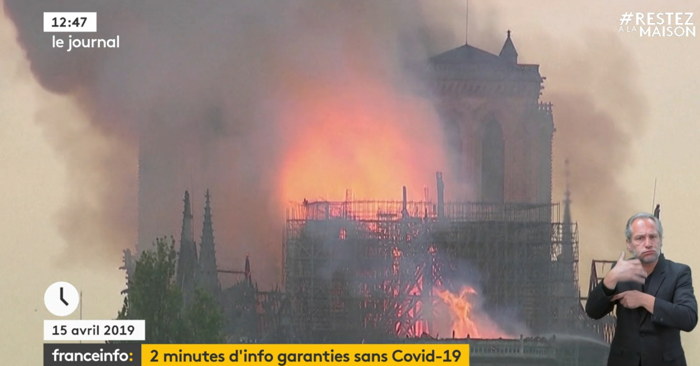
{"x":498,"y":130}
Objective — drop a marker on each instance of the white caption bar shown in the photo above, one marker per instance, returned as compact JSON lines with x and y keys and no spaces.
{"x":70,"y":22}
{"x":94,"y":330}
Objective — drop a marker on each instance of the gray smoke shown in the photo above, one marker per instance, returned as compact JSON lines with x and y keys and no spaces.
{"x":194,"y":99}
{"x":600,"y":112}
{"x":202,"y":94}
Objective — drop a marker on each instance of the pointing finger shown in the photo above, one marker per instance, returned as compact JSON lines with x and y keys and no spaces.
{"x":622,"y":256}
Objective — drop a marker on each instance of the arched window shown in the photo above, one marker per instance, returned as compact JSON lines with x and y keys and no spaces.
{"x":492,"y":163}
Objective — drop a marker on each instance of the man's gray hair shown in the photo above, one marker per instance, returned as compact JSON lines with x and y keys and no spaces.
{"x":643,"y":215}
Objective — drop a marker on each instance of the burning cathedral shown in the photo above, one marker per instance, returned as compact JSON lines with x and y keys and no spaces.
{"x":496,"y":268}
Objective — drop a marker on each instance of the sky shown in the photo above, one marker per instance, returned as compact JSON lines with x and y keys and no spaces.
{"x":625,"y":112}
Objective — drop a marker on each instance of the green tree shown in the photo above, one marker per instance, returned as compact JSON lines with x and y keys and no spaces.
{"x":204,"y":319}
{"x":152,"y":295}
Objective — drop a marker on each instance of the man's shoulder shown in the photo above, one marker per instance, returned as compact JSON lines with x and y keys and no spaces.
{"x":676,"y":266}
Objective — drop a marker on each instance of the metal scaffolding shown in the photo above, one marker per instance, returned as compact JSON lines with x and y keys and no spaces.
{"x":365,"y":270}
{"x":605,"y":327}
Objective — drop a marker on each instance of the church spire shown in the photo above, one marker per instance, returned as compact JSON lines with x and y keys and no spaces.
{"x":187,"y":258}
{"x":568,"y":240}
{"x":208,"y":276}
{"x":508,"y":51}
{"x":246,"y":272}
{"x":567,"y":196}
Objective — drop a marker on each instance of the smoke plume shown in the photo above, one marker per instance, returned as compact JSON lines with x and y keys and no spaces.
{"x":254,"y":100}
{"x":269,"y":101}
{"x":599,"y":113}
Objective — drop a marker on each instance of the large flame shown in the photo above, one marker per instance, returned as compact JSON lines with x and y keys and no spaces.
{"x":465,"y":320}
{"x":361,"y":133}
{"x":460,"y":309}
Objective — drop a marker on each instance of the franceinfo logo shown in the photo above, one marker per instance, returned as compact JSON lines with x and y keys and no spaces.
{"x":658,"y":24}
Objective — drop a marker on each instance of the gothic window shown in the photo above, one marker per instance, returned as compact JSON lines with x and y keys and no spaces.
{"x":492,"y":163}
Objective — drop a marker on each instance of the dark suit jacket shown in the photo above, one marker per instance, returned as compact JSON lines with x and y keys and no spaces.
{"x":654,"y":339}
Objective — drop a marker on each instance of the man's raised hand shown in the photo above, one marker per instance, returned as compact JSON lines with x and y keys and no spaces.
{"x":625,"y":271}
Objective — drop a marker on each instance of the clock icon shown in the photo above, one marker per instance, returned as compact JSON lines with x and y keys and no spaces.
{"x":61,"y":298}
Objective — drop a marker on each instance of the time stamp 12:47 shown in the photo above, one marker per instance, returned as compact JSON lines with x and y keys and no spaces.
{"x":76,"y":22}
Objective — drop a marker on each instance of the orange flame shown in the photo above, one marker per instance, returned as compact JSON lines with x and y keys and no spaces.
{"x":465,"y":320}
{"x":356,"y":130}
{"x":460,"y":311}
